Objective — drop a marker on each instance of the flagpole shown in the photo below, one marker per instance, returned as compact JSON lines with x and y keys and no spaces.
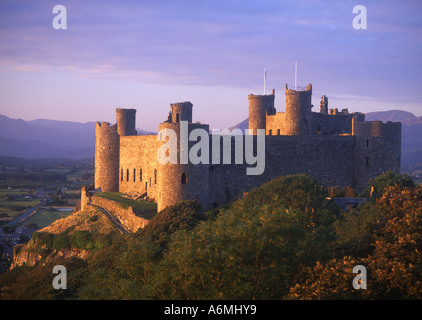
{"x":265,"y":77}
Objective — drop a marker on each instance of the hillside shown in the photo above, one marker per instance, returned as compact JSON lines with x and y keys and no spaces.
{"x":283,"y":240}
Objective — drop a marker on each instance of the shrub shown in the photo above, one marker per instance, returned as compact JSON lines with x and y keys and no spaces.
{"x":381,"y":183}
{"x":82,"y":239}
{"x":61,"y":241}
{"x":9,"y":229}
{"x":123,"y":205}
{"x":45,"y":238}
{"x":181,"y":216}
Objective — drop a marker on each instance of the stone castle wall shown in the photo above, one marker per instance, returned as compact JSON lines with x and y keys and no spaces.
{"x":331,"y":161}
{"x":182,"y":181}
{"x":336,"y":148}
{"x":125,"y":216}
{"x":377,"y":149}
{"x":107,"y":151}
{"x":138,"y":171}
{"x":259,"y":107}
{"x":298,"y":110}
{"x":125,"y":120}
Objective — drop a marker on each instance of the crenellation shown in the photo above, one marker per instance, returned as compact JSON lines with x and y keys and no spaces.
{"x":335,"y":147}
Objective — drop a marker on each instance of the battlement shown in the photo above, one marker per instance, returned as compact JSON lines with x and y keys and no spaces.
{"x":126,"y":119}
{"x":298,"y":91}
{"x":125,"y":111}
{"x":376,"y":129}
{"x":336,"y":147}
{"x":260,"y":106}
{"x":180,"y":111}
{"x":262,"y":96}
{"x":105,"y":126}
{"x":106,"y":157}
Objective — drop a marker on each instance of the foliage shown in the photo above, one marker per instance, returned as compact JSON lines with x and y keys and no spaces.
{"x":82,"y":239}
{"x":8,"y":229}
{"x":35,"y":283}
{"x":347,"y":192}
{"x":252,"y":249}
{"x":394,"y":264}
{"x":283,"y":240}
{"x":181,"y":216}
{"x":61,"y":241}
{"x":381,"y":183}
{"x":138,"y":205}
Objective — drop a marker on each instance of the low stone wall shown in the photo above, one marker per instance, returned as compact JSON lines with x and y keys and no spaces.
{"x":127,"y":217}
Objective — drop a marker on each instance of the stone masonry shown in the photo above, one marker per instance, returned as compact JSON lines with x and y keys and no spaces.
{"x":335,"y":147}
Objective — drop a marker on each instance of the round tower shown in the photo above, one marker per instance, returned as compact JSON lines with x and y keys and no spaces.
{"x":181,"y":111}
{"x":298,"y":110}
{"x":107,"y":151}
{"x":178,"y":182}
{"x":126,"y":122}
{"x":259,"y":107}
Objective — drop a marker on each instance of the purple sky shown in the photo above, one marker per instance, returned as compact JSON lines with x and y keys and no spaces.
{"x":148,"y":54}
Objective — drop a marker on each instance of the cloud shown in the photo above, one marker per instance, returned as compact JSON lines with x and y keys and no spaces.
{"x":225,"y":43}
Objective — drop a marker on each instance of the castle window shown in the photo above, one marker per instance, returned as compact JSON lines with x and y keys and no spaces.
{"x":134,"y":175}
{"x":278,"y":131}
{"x":140,"y":175}
{"x":177,"y":117}
{"x":318,"y":131}
{"x":367,"y":143}
{"x":271,"y":132}
{"x":184,"y":178}
{"x":155,"y":176}
{"x":367,"y":161}
{"x":150,"y":182}
{"x":121,"y":174}
{"x":127,"y":174}
{"x":146,"y":186}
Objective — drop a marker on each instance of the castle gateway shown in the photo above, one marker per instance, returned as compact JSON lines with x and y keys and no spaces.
{"x":337,"y":148}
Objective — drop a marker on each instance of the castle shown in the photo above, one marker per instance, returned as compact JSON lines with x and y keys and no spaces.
{"x":337,"y":148}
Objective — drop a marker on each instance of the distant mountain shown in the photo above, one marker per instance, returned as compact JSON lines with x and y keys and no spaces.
{"x":65,"y":139}
{"x":394,"y":115}
{"x":411,"y":133}
{"x":241,"y":125}
{"x":48,"y":138}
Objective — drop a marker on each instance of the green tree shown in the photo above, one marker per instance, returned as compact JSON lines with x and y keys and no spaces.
{"x":378,"y":185}
{"x":253,"y":249}
{"x":393,"y":263}
{"x":184,"y":215}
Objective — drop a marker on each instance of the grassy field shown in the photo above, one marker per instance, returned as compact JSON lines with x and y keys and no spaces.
{"x":147,"y":209}
{"x":16,"y":206}
{"x":45,"y":217}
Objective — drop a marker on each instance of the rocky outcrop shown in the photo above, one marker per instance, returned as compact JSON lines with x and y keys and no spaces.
{"x":30,"y":258}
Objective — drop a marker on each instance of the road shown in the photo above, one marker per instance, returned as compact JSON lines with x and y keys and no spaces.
{"x":25,"y":215}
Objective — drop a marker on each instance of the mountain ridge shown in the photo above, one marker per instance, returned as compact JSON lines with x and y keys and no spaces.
{"x":43,"y":138}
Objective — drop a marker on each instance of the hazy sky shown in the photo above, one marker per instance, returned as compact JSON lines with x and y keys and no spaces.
{"x":148,"y":54}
